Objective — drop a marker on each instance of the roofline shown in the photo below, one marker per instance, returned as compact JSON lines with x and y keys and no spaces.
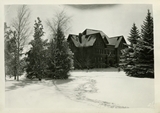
{"x":117,"y":36}
{"x":92,"y":29}
{"x":71,"y":35}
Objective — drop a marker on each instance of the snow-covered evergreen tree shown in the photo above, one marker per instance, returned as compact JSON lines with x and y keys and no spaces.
{"x":60,"y":61}
{"x":36,"y":57}
{"x":138,"y":59}
{"x":10,"y":52}
{"x":51,"y":58}
{"x":134,"y":35}
{"x":63,"y":56}
{"x":127,"y":59}
{"x":144,"y":50}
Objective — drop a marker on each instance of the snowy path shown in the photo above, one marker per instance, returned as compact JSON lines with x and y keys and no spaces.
{"x":82,"y":90}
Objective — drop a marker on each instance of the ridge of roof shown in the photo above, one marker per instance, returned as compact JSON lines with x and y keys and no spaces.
{"x":116,"y":36}
{"x":91,"y":29}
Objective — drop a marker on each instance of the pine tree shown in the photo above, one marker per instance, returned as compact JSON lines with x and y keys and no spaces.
{"x":144,"y":50}
{"x":36,"y":55}
{"x":60,"y":61}
{"x":10,"y":52}
{"x":61,"y":57}
{"x":127,"y":60}
{"x":51,"y":58}
{"x":134,"y":35}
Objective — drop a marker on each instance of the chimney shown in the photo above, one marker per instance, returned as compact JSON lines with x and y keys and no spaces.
{"x":80,"y":37}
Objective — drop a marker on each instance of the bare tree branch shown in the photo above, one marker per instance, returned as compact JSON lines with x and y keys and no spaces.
{"x":59,"y":20}
{"x":21,"y":25}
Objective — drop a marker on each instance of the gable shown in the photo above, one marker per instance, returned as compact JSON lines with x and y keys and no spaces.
{"x":99,"y":42}
{"x":123,"y":43}
{"x":92,"y":31}
{"x":116,"y":41}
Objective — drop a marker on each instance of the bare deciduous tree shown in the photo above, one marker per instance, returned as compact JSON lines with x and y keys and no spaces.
{"x":59,"y":21}
{"x":21,"y":25}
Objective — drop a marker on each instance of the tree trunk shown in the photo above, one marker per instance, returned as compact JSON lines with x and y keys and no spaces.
{"x":18,"y":69}
{"x":18,"y":58}
{"x":14,"y":77}
{"x":15,"y":67}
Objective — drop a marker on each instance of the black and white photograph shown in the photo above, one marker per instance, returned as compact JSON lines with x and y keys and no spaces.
{"x":79,"y":56}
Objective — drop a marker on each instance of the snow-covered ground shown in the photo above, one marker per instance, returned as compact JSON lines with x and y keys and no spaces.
{"x":91,"y":90}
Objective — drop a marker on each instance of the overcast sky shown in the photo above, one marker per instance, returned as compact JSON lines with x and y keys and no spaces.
{"x":112,"y":19}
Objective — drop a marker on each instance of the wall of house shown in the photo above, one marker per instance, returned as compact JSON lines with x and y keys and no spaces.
{"x":118,"y":50}
{"x":74,"y":49}
{"x":111,"y":55}
{"x":84,"y":57}
{"x":98,"y":59}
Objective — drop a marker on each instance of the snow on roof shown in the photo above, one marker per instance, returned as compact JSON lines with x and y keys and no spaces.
{"x":115,"y":40}
{"x":75,"y":40}
{"x":86,"y":41}
{"x":89,"y":36}
{"x":92,"y":31}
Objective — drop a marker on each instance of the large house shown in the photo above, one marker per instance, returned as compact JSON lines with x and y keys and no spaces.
{"x":94,"y":49}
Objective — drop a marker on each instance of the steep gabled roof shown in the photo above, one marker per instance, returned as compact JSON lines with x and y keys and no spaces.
{"x":92,"y":31}
{"x":115,"y":40}
{"x":89,"y":37}
{"x":74,"y":38}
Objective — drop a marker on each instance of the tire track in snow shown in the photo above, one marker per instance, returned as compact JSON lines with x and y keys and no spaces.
{"x":89,"y":87}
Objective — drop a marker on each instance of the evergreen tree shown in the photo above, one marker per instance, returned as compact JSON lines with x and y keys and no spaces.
{"x":138,"y":59}
{"x":36,"y":55}
{"x":127,"y":59}
{"x":51,"y":58}
{"x":10,"y":52}
{"x":134,"y":35}
{"x":60,"y":61}
{"x":61,"y":57}
{"x":144,"y":50}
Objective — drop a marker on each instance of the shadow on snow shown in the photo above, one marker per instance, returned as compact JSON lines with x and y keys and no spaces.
{"x":26,"y":82}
